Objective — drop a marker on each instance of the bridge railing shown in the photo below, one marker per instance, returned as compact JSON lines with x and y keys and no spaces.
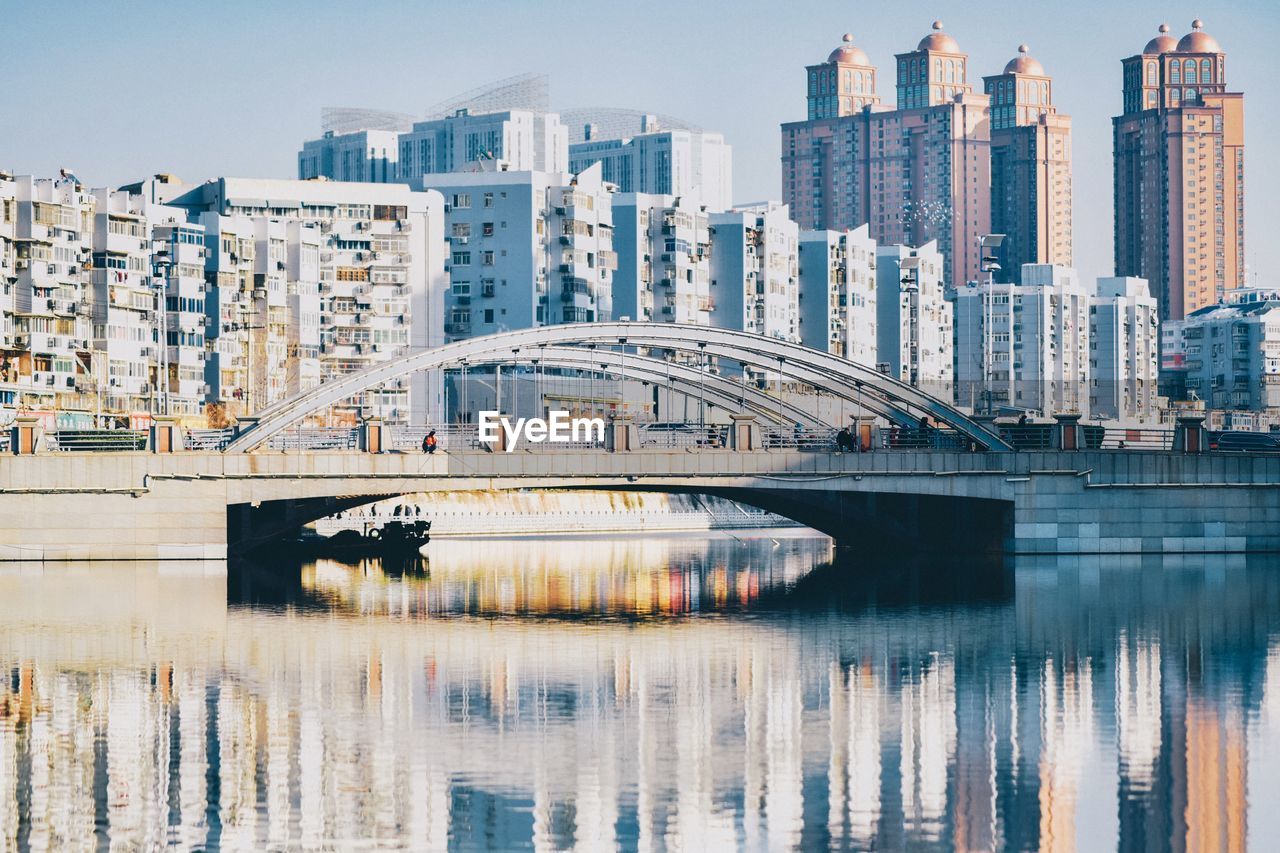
{"x":682,"y":435}
{"x":208,"y":439}
{"x":96,"y":440}
{"x":316,"y":438}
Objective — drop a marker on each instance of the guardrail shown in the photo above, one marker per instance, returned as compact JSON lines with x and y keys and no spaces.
{"x":96,"y":440}
{"x":208,"y":439}
{"x":692,"y":436}
{"x":316,"y":438}
{"x":679,"y":435}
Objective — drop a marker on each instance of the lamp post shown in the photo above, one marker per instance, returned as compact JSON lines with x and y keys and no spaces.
{"x":988,"y":247}
{"x":161,"y":272}
{"x":910,"y":268}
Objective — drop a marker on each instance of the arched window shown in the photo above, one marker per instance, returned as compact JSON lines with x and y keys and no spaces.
{"x":951,"y":71}
{"x":902,"y":71}
{"x":1189,"y":71}
{"x":848,"y":76}
{"x":1173,"y":97}
{"x":1206,"y":71}
{"x":1151,"y":100}
{"x":937,"y":69}
{"x":1044,"y":92}
{"x":813,"y":82}
{"x":1175,"y":72}
{"x":1151,"y":73}
{"x":1189,"y":95}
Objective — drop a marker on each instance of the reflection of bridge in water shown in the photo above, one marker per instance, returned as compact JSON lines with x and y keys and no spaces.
{"x":1097,"y":707}
{"x":967,"y":487}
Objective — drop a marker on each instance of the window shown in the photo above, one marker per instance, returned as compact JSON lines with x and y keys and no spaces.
{"x":462,"y":200}
{"x":488,"y":315}
{"x":1151,"y":73}
{"x":461,"y":259}
{"x":488,"y":199}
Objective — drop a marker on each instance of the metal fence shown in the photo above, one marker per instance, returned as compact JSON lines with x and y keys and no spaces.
{"x":316,"y":438}
{"x":208,"y":439}
{"x":679,"y":435}
{"x":96,"y":440}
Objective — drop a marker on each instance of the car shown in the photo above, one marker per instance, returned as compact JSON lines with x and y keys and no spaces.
{"x":1240,"y":441}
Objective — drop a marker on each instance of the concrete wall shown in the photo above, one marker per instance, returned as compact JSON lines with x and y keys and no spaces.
{"x":144,"y":506}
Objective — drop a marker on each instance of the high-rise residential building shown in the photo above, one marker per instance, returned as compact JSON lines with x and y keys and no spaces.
{"x":178,"y":258}
{"x":1024,"y":346}
{"x":526,"y":141}
{"x":914,"y":318}
{"x":1231,"y":352}
{"x":662,"y":162}
{"x":838,"y":293}
{"x":1179,"y":173}
{"x":663,"y":245}
{"x":8,"y":351}
{"x":916,"y":173}
{"x":526,"y":249}
{"x":360,"y":156}
{"x":1030,"y":166}
{"x":523,"y":139}
{"x":1124,"y":350}
{"x":53,"y":360}
{"x":755,"y":271}
{"x":371,"y":255}
{"x":125,"y":301}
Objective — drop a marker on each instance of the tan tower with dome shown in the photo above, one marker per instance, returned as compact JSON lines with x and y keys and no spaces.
{"x":1030,"y":166}
{"x":1179,"y":173}
{"x":913,"y":173}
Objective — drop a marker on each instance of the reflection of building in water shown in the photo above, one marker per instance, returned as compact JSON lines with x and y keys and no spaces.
{"x":557,"y":513}
{"x":261,"y":728}
{"x":633,"y":575}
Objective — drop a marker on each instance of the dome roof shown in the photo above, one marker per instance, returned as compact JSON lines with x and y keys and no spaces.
{"x":1024,"y":64}
{"x":939,"y":41}
{"x":847,"y":54}
{"x":1162,"y":43}
{"x":1198,"y":41}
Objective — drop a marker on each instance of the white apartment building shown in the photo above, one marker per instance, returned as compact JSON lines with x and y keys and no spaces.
{"x":838,"y":293}
{"x":1024,"y":347}
{"x":755,"y":276}
{"x":526,"y":141}
{"x":360,"y":156}
{"x":380,"y":287}
{"x":178,"y":258}
{"x":1232,"y":352}
{"x":125,"y":301}
{"x":52,"y":362}
{"x":1124,"y":350}
{"x":526,"y":249}
{"x":913,"y":318}
{"x":663,"y":245}
{"x":662,"y":162}
{"x":8,"y":278}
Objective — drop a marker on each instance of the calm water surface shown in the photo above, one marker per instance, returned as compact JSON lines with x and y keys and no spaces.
{"x":688,"y":693}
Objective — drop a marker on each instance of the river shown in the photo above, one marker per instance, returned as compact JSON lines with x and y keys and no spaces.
{"x":751,"y":691}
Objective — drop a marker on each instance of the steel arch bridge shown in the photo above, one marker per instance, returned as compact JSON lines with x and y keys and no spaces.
{"x":592,"y":345}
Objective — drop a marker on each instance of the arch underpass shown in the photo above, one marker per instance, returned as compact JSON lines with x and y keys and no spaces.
{"x":862,"y":386}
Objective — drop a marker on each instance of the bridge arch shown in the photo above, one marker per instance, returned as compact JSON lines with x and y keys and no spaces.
{"x":867,"y":388}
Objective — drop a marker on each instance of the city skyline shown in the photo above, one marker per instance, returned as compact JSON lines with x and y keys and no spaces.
{"x":1087,"y":84}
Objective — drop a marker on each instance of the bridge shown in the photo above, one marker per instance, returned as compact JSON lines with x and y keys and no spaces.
{"x":956,"y":482}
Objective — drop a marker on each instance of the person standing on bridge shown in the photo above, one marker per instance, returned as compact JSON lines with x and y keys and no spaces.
{"x":430,"y":442}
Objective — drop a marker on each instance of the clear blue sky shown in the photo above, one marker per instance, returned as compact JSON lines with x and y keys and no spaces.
{"x":120,"y":90}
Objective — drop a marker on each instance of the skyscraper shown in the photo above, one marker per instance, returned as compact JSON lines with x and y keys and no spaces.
{"x":1179,"y":173}
{"x":1030,"y":166}
{"x":914,"y":173}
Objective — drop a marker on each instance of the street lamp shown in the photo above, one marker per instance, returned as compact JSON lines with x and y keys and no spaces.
{"x":161,"y":272}
{"x":988,"y":249}
{"x":910,"y":268}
